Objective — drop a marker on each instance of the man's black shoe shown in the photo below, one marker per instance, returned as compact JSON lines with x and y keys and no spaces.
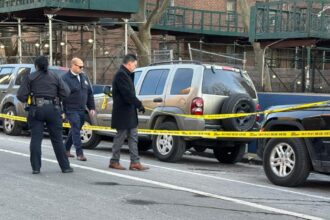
{"x":68,"y":170}
{"x":35,"y":171}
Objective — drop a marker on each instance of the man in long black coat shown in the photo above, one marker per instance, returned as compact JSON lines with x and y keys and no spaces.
{"x":124,"y":114}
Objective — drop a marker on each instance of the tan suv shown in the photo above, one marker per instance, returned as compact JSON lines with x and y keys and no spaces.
{"x":11,"y":76}
{"x":188,"y":88}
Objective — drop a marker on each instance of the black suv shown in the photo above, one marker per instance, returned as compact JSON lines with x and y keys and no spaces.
{"x":288,"y":162}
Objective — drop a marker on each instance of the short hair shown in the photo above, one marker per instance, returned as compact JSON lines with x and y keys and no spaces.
{"x":129,"y":58}
{"x":41,"y":63}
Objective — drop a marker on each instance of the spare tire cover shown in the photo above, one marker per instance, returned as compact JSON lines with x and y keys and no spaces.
{"x":239,"y":103}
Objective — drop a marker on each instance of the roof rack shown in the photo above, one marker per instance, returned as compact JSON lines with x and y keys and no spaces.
{"x":177,"y":62}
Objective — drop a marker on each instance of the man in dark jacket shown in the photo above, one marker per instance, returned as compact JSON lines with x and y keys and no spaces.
{"x":124,"y":114}
{"x":75,"y":105}
{"x":44,"y":89}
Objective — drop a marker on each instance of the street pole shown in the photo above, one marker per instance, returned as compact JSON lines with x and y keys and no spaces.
{"x":126,"y":36}
{"x":263,"y":62}
{"x":50,"y":17}
{"x":19,"y":40}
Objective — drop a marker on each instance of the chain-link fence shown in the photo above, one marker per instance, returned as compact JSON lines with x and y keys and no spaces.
{"x":300,"y":73}
{"x":290,"y":70}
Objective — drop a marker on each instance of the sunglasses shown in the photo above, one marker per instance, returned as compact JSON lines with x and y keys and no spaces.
{"x":79,"y":66}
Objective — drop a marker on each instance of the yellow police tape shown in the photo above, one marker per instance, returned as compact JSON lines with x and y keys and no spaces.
{"x":237,"y":115}
{"x":205,"y":134}
{"x":233,"y":115}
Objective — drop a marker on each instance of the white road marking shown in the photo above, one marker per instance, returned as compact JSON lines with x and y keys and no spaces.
{"x":202,"y":175}
{"x":222,"y":178}
{"x":175,"y":187}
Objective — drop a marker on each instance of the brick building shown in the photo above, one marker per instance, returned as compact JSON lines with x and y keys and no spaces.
{"x":210,"y":25}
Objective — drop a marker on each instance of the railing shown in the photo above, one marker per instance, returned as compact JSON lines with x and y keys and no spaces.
{"x":56,"y":3}
{"x":289,"y":19}
{"x":104,"y":5}
{"x":200,"y":21}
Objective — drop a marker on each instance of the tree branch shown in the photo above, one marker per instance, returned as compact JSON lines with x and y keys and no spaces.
{"x":135,"y":38}
{"x":156,"y":13}
{"x":141,"y":15}
{"x":245,"y":10}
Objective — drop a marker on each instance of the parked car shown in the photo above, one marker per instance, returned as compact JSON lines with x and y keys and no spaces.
{"x":288,"y":162}
{"x":188,"y":88}
{"x":11,"y":76}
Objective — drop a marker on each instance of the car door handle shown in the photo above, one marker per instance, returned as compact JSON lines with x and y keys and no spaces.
{"x":158,"y":100}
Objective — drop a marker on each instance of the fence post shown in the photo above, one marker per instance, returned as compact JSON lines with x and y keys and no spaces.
{"x":94,"y":54}
{"x":244,"y":60}
{"x":303,"y":76}
{"x":19,"y":40}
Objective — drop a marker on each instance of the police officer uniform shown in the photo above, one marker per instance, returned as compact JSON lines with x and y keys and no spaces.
{"x":45,"y":89}
{"x":75,"y":109}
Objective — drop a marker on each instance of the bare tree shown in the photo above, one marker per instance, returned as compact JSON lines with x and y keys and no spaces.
{"x":142,"y":38}
{"x":258,"y":51}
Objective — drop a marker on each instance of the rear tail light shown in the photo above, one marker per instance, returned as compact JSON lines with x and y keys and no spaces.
{"x":258,"y":108}
{"x":197,"y":106}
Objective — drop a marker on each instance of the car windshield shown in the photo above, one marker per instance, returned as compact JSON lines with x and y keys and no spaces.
{"x":225,"y":82}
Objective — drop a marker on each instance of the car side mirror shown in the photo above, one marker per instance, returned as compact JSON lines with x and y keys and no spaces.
{"x":107,"y":90}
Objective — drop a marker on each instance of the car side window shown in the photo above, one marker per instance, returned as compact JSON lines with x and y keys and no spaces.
{"x":154,"y":82}
{"x":22,"y":72}
{"x":136,"y":76}
{"x":6,"y":73}
{"x":182,"y":81}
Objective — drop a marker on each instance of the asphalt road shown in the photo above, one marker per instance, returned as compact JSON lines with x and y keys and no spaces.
{"x":195,"y":188}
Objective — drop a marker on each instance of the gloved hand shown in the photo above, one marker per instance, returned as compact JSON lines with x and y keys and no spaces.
{"x":142,"y":109}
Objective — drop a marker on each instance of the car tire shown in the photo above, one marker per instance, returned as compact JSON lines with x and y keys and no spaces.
{"x":168,"y":148}
{"x":89,"y":139}
{"x":239,"y":103}
{"x":11,"y":127}
{"x":286,"y":162}
{"x":144,"y":145}
{"x":230,"y":154}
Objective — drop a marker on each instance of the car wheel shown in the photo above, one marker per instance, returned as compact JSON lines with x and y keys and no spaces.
{"x":230,"y":154}
{"x":144,"y":145}
{"x":286,"y":162}
{"x":11,"y":127}
{"x":89,"y":139}
{"x":168,"y":148}
{"x":239,"y":103}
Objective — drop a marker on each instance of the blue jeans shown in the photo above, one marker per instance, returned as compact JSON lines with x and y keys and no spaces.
{"x":76,"y":120}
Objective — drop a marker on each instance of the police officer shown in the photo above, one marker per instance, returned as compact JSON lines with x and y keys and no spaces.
{"x":75,"y":104}
{"x":44,"y":89}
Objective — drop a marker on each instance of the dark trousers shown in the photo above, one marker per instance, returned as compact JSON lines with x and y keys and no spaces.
{"x":76,"y":120}
{"x":51,"y":116}
{"x":118,"y":141}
